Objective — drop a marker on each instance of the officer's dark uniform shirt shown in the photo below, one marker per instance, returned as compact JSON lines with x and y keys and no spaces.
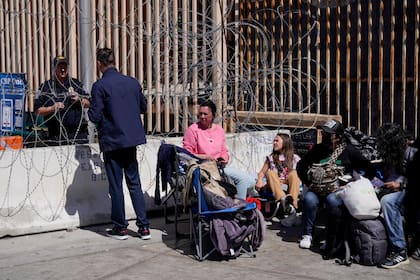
{"x":70,"y":118}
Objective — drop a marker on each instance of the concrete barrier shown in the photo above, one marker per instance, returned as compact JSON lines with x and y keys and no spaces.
{"x":52,"y":188}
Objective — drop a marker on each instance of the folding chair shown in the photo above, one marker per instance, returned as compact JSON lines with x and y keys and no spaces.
{"x":171,"y":170}
{"x":201,"y":219}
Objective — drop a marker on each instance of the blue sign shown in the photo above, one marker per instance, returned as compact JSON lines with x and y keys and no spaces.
{"x":12,"y":103}
{"x":9,"y":81}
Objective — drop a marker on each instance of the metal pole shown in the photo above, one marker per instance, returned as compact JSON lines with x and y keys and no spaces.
{"x":86,"y":60}
{"x":218,"y":55}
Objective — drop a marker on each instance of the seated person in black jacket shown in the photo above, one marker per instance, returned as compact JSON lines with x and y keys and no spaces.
{"x":333,"y":144}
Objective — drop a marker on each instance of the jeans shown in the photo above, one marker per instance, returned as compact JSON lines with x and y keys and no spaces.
{"x":310,"y":208}
{"x":116,"y":163}
{"x":392,"y":206}
{"x":243,"y":180}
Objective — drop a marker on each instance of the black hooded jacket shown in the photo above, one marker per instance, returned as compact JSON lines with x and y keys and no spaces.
{"x":351,"y":158}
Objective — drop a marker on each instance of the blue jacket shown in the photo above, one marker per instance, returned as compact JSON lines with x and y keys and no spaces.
{"x":116,"y":105}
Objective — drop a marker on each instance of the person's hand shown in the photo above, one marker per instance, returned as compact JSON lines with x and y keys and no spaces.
{"x":57,"y":106}
{"x":74,"y":97}
{"x":221,"y":162}
{"x":393,"y":185}
{"x":259,"y":184}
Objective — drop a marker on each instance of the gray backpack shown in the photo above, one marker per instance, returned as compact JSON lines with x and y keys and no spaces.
{"x":369,"y":243}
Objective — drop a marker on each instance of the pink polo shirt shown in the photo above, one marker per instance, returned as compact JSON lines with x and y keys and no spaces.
{"x":206,"y":141}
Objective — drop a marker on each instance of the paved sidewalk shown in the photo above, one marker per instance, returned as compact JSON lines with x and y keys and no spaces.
{"x":88,"y":254}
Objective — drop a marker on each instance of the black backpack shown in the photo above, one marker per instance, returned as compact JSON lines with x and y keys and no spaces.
{"x":369,"y":242}
{"x":360,"y":241}
{"x":337,"y":238}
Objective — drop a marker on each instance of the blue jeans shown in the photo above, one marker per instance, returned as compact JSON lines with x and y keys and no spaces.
{"x":243,"y":180}
{"x":117,"y":162}
{"x":310,"y":208}
{"x":393,"y":210}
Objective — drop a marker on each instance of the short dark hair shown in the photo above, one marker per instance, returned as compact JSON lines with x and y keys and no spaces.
{"x":105,"y":56}
{"x":210,"y":104}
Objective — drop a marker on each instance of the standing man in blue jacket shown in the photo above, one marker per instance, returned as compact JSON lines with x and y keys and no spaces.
{"x":116,"y":107}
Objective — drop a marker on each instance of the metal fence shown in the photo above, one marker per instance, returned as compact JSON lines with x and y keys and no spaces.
{"x":358,"y":59}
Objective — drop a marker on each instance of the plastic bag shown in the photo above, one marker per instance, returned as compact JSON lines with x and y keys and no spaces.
{"x":360,"y":199}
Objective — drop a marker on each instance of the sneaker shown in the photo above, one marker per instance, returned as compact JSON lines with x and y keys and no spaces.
{"x":395,"y":259}
{"x":416,"y":254}
{"x":286,"y":201}
{"x":117,"y":233}
{"x":305,"y":242}
{"x":144,"y":233}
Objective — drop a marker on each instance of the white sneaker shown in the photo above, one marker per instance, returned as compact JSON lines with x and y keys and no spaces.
{"x":305,"y":242}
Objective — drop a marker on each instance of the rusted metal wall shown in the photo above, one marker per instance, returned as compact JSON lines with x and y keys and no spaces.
{"x":169,"y":46}
{"x":355,"y":58}
{"x":358,"y":59}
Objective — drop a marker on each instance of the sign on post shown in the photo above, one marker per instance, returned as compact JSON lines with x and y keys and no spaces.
{"x":12,"y":103}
